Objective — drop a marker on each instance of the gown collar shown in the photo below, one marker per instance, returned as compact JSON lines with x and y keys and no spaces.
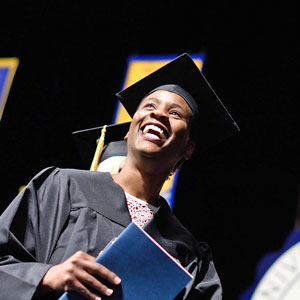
{"x":164,"y":227}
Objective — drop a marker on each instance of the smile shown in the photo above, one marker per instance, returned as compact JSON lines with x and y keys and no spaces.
{"x":153,"y":131}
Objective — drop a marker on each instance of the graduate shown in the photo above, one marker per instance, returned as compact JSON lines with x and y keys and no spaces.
{"x":52,"y":232}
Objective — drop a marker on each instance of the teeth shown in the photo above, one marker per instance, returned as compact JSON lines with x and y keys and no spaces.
{"x":154,"y":128}
{"x":150,"y":129}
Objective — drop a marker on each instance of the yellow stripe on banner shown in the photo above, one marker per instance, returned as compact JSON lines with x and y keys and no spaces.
{"x":11,"y":65}
{"x":136,"y":70}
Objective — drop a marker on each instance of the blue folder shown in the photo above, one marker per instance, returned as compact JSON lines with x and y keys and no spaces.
{"x":147,"y":271}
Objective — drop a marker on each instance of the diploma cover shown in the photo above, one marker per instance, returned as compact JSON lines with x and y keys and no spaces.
{"x":147,"y":271}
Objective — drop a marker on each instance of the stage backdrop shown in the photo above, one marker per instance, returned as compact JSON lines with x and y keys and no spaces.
{"x":8,"y":67}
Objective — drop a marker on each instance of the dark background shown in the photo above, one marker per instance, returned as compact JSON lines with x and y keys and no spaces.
{"x":240,"y":197}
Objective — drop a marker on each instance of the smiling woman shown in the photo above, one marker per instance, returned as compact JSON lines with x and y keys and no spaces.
{"x":162,"y":126}
{"x":62,"y":211}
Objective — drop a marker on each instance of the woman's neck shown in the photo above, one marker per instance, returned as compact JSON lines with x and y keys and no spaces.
{"x":143,"y":185}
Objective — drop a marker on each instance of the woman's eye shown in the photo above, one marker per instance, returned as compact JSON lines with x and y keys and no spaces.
{"x":175,"y":113}
{"x":149,"y":105}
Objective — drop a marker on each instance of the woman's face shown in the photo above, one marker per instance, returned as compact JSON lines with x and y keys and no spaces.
{"x":160,"y":127}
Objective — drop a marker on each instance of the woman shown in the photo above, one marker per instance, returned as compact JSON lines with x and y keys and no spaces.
{"x":51,"y":233}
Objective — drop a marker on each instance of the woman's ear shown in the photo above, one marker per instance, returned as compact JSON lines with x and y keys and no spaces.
{"x":126,"y":137}
{"x":189,"y":150}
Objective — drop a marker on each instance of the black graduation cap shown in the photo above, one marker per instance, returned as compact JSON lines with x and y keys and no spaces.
{"x":114,"y":143}
{"x":214,"y":122}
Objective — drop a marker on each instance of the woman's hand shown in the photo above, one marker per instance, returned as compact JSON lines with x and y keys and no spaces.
{"x":76,"y":273}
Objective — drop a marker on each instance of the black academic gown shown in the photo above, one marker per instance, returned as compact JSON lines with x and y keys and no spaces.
{"x":62,"y":211}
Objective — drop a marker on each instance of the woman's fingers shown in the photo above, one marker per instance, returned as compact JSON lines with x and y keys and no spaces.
{"x":87,"y":262}
{"x":103,"y":272}
{"x":78,"y":287}
{"x":89,"y":280}
{"x":79,"y":273}
{"x":86,"y":268}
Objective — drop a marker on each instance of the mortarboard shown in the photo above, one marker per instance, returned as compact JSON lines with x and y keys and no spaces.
{"x":114,"y":150}
{"x":213,"y":121}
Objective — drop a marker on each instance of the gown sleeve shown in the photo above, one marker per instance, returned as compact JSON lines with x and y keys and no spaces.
{"x":29,"y":228}
{"x":194,"y":256}
{"x":206,"y":284}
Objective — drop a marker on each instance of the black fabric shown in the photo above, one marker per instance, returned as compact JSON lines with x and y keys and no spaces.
{"x":118,"y":148}
{"x":174,"y":88}
{"x":214,"y":123}
{"x":62,"y":211}
{"x":114,"y":144}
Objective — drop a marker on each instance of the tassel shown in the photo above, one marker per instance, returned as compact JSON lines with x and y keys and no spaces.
{"x":98,"y":151}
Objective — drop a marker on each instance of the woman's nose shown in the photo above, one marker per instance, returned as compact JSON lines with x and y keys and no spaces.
{"x":159,"y":114}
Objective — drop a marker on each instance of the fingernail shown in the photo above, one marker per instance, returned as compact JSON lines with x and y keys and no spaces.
{"x":117,"y":280}
{"x":97,"y":298}
{"x":109,"y":292}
